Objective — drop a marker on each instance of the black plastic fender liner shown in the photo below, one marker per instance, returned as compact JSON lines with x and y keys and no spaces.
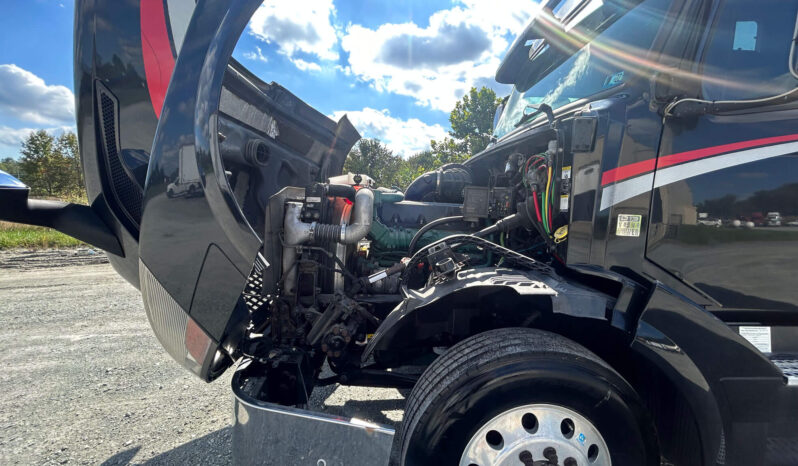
{"x":413,"y":320}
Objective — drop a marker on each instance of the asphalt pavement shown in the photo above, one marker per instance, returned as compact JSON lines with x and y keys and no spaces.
{"x":86,"y":382}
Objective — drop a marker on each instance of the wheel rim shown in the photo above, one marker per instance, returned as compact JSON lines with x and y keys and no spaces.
{"x":534,"y":434}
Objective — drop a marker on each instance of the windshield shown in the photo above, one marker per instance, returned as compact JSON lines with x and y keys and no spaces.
{"x":609,"y":60}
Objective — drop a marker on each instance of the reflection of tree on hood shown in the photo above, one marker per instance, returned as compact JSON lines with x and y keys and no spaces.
{"x":783,"y":199}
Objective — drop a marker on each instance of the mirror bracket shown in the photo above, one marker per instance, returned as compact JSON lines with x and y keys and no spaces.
{"x":78,"y":221}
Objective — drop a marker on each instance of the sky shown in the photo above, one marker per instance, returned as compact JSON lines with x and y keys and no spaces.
{"x":396,"y":68}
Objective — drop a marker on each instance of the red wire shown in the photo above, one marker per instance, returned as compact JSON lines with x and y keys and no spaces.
{"x":537,"y":161}
{"x":535,"y":201}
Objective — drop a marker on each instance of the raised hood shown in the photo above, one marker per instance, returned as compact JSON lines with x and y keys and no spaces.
{"x":188,"y":205}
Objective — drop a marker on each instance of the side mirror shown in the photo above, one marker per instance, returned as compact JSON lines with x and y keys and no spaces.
{"x":78,"y":221}
{"x":13,"y":193}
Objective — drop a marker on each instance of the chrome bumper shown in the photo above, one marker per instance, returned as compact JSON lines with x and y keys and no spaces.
{"x":270,"y":434}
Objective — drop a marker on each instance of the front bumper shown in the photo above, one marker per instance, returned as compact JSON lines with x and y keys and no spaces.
{"x":271,"y":434}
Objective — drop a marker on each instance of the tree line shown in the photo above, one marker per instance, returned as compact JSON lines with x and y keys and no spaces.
{"x":472,"y":128}
{"x":50,"y":165}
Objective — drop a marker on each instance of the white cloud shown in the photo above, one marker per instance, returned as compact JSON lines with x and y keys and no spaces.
{"x":257,"y":55}
{"x":14,"y":136}
{"x":404,"y":137}
{"x":26,"y":97}
{"x":305,"y":66}
{"x":297,"y":27}
{"x":11,"y":138}
{"x":460,"y":48}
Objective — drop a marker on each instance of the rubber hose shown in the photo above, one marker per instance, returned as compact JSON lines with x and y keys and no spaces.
{"x":341,"y":190}
{"x":327,"y":233}
{"x":428,"y":227}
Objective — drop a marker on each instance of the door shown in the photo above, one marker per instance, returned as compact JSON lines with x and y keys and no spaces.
{"x":724,"y":215}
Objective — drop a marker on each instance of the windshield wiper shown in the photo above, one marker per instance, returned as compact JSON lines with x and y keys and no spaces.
{"x":538,"y":109}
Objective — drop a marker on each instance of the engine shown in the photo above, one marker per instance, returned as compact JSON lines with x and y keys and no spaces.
{"x":350,"y":252}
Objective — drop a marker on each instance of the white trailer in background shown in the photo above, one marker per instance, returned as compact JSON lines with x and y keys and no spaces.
{"x":188,"y":178}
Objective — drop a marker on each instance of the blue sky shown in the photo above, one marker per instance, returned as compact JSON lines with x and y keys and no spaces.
{"x":395,"y":67}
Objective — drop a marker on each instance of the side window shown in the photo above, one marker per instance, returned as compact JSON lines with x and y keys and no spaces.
{"x":748,"y":51}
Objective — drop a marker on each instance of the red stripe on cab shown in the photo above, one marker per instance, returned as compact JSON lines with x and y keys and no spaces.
{"x":639,"y":168}
{"x":156,"y":51}
{"x":627,"y":171}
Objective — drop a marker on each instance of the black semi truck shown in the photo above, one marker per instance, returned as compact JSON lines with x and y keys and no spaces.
{"x":600,"y":286}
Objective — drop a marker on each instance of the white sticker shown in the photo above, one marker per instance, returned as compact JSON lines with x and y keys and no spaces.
{"x":312,"y":199}
{"x":628,"y":225}
{"x":566,"y":173}
{"x":757,"y":336}
{"x":377,"y":277}
{"x":563,"y":202}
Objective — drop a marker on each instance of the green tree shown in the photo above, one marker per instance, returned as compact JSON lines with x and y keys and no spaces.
{"x":472,"y":127}
{"x":46,"y":170}
{"x":414,"y":166}
{"x":472,"y":119}
{"x":371,"y":157}
{"x":66,"y":146}
{"x":11,"y":166}
{"x":449,"y":151}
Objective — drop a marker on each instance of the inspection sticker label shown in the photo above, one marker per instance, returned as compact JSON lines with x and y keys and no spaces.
{"x":757,"y":336}
{"x":628,"y":225}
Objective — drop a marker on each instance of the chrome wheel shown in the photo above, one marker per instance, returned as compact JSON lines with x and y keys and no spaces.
{"x":535,"y":433}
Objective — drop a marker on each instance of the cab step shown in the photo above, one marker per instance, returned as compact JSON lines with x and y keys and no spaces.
{"x":788,"y":363}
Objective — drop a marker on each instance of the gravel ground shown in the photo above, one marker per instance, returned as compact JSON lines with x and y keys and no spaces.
{"x":86,"y":382}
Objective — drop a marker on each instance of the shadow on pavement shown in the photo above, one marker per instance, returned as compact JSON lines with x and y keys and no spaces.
{"x":372,"y":410}
{"x":212,"y":449}
{"x":215,"y":448}
{"x":123,"y":457}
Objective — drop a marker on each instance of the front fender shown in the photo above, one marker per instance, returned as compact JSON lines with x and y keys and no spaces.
{"x":730,"y":386}
{"x":474,"y":301}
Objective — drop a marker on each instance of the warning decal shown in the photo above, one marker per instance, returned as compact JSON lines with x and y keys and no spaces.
{"x":628,"y":225}
{"x":757,"y":336}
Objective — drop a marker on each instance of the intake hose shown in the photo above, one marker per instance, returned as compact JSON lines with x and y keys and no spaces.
{"x":341,"y":190}
{"x":442,"y":185}
{"x":297,"y":232}
{"x":362,"y":213}
{"x":429,"y":226}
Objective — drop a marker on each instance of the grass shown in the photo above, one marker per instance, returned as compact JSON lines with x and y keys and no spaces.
{"x":13,"y":235}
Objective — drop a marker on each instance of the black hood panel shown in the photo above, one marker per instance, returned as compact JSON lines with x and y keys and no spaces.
{"x":201,"y":213}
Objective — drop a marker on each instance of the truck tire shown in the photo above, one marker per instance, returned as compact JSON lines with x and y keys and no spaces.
{"x":519,"y":396}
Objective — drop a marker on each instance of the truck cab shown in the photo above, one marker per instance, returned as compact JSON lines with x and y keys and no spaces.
{"x":580,"y":292}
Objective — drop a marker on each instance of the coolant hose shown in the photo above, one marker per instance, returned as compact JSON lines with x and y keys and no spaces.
{"x":429,"y":226}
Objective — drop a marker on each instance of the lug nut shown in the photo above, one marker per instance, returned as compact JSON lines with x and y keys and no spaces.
{"x":550,"y":454}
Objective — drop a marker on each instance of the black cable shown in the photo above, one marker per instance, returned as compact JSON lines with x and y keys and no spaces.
{"x":461,"y":239}
{"x":428,"y":227}
{"x":333,"y":257}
